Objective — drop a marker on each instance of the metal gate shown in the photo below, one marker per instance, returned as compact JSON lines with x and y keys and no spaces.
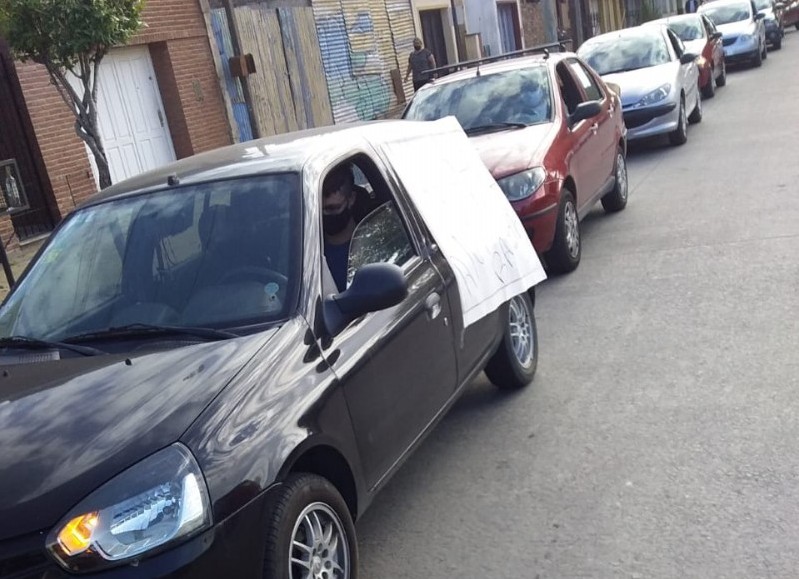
{"x":21,"y":176}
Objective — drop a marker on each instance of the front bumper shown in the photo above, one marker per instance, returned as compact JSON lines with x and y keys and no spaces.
{"x":232,"y":548}
{"x":645,"y":122}
{"x":539,"y":216}
{"x":743,"y":47}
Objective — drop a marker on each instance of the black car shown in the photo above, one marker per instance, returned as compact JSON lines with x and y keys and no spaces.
{"x":185,"y":393}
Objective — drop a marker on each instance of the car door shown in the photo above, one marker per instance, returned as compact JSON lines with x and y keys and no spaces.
{"x":688,"y":75}
{"x":716,"y":45}
{"x":587,"y":163}
{"x":604,"y":139}
{"x":397,"y":366}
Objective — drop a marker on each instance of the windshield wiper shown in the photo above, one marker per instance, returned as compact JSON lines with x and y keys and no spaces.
{"x":134,"y":330}
{"x":25,"y":342}
{"x":495,"y":127}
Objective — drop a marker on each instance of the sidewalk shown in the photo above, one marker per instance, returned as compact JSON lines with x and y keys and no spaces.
{"x":19,"y":260}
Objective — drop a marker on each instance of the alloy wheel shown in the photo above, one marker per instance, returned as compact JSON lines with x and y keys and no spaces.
{"x":521,"y":332}
{"x":319,"y":547}
{"x":572,"y":230}
{"x":621,"y":176}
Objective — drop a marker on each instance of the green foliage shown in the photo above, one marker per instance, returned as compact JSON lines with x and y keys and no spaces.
{"x":60,"y":32}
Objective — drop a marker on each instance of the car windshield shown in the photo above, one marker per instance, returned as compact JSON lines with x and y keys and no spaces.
{"x":722,"y":14}
{"x":688,"y":28}
{"x":625,"y":52}
{"x":219,"y":254}
{"x":515,"y":97}
{"x":763,"y":4}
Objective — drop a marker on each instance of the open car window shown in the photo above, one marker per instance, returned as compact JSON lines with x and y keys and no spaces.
{"x":220,"y":254}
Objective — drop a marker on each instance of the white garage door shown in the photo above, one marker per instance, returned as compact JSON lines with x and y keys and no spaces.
{"x":131,"y":114}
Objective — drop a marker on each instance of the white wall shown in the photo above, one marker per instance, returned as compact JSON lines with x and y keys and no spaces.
{"x":481,"y":17}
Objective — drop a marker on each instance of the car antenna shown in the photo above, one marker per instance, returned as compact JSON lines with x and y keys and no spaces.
{"x":477,"y":72}
{"x":546,"y":54}
{"x":173,"y":180}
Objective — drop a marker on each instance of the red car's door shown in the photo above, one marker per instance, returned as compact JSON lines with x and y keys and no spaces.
{"x":601,"y":145}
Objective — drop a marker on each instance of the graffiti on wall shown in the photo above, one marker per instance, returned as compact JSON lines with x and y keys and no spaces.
{"x":355,"y":69}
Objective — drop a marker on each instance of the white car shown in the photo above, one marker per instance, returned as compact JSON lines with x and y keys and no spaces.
{"x":742,"y":27}
{"x":657,"y":76}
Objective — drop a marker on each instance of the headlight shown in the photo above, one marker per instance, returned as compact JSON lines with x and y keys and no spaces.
{"x":161,"y":500}
{"x":522,"y":185}
{"x":655,"y":96}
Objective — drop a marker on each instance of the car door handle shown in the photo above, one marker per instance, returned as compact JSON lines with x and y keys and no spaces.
{"x":594,"y":128}
{"x":433,"y":305}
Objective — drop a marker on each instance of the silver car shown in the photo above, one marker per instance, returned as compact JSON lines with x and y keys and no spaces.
{"x":742,"y":27}
{"x":658,"y":79}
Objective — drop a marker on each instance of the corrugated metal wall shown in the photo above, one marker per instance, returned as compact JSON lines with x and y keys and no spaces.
{"x":403,"y":31}
{"x":359,"y":49}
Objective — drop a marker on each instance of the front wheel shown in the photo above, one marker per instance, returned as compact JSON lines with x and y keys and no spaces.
{"x":696,"y":114}
{"x":758,"y":59}
{"x":616,"y":200}
{"x":679,"y":136}
{"x":513,"y":365}
{"x":709,"y":90}
{"x":722,"y":79}
{"x":309,"y":534}
{"x":567,"y":245}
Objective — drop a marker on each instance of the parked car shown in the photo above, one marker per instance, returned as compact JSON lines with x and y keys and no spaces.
{"x":659,"y":79}
{"x":549,"y":131}
{"x":700,"y":37}
{"x":789,"y":13}
{"x":743,"y":30}
{"x":184,"y":392}
{"x":772,"y":18}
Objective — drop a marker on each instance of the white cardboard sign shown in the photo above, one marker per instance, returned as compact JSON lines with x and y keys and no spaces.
{"x":470,"y":218}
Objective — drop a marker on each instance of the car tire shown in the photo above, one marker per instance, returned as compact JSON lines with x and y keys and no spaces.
{"x":796,"y":25}
{"x":564,"y":256}
{"x":778,"y":44}
{"x":757,"y":61}
{"x":765,"y":51}
{"x":679,"y":136}
{"x":616,"y":200}
{"x":514,"y":364}
{"x":722,"y":79}
{"x":709,"y":90}
{"x":696,"y":114}
{"x":302,"y":506}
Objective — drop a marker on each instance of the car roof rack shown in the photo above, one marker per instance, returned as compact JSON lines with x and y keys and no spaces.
{"x":541,"y":49}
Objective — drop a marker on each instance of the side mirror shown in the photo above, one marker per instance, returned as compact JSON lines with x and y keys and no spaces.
{"x":688,"y":58}
{"x":584,"y":111}
{"x":715,"y":36}
{"x":759,"y":16}
{"x":375,"y":287}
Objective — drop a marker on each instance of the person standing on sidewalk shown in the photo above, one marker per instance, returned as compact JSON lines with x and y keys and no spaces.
{"x":420,"y":60}
{"x":692,"y":6}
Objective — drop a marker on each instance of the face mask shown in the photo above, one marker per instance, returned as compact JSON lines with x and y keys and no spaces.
{"x":336,"y":222}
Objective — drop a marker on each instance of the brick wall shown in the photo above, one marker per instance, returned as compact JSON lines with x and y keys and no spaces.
{"x":184,"y":66}
{"x":533,"y":23}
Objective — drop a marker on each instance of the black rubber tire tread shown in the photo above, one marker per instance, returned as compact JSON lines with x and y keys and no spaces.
{"x":613,"y":202}
{"x":696,"y":115}
{"x":503,"y":370}
{"x":288,"y":501}
{"x":757,"y":61}
{"x":722,"y":79}
{"x":558,"y":258}
{"x":709,"y":90}
{"x":679,"y":136}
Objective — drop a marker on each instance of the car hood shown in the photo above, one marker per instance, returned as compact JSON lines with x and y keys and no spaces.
{"x":736,"y":28}
{"x":635,"y":84}
{"x":70,"y":425}
{"x":508,"y":152}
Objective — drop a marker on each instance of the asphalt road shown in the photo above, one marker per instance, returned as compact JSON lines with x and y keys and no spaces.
{"x":661,"y":435}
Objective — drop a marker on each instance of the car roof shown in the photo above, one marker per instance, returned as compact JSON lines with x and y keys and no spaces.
{"x":288,"y":152}
{"x":633,"y":30}
{"x":501,"y":66}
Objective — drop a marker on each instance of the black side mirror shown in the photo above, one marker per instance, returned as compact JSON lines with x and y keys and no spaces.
{"x":687,"y":58}
{"x":759,"y":16}
{"x":584,"y":111}
{"x":375,"y":287}
{"x":715,"y":36}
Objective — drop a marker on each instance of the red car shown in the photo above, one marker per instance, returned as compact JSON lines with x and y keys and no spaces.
{"x":789,"y":13}
{"x":551,"y":133}
{"x":701,"y":37}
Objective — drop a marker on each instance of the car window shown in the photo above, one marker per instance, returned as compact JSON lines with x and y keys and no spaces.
{"x":615,"y":53}
{"x":724,"y":13}
{"x":569,"y":91}
{"x":379,"y":238}
{"x":515,"y":96}
{"x":587,"y":82}
{"x":677,"y":44}
{"x":710,"y":28}
{"x":221,"y":253}
{"x":763,"y":4}
{"x":688,"y":29}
